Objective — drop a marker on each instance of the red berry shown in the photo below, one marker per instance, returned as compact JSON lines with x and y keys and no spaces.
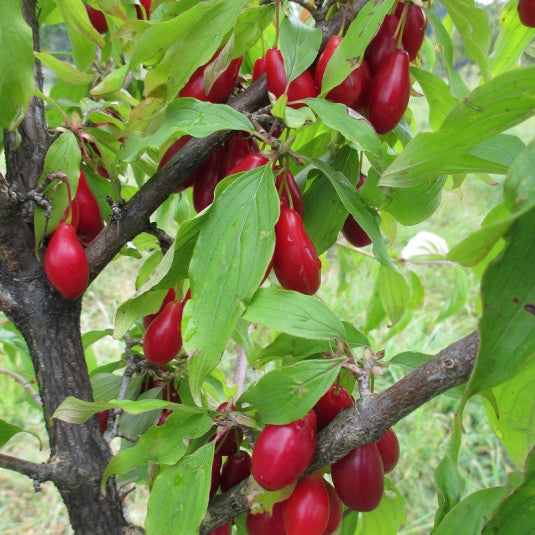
{"x":90,"y":222}
{"x":259,"y":68}
{"x":351,"y":230}
{"x":306,"y":511}
{"x":236,"y":148}
{"x":293,"y":188}
{"x":250,"y":162}
{"x":235,"y":469}
{"x":266,"y":524}
{"x":283,"y":452}
{"x":102,"y":418}
{"x":97,"y":19}
{"x":216,"y":474}
{"x":363,"y":72}
{"x":414,"y":30}
{"x":143,"y":11}
{"x":330,"y":404}
{"x":65,"y":262}
{"x":359,"y":478}
{"x":389,"y":92}
{"x":163,"y":416}
{"x":383,"y":44}
{"x":349,"y":89}
{"x":221,"y":530}
{"x":295,"y":259}
{"x":336,"y":510}
{"x":163,"y":338}
{"x":388,"y":447}
{"x":207,"y":176}
{"x":169,"y":296}
{"x":526,"y":12}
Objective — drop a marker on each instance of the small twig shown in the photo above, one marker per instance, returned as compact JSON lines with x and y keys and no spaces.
{"x":27,"y":386}
{"x":36,"y":471}
{"x":165,"y":241}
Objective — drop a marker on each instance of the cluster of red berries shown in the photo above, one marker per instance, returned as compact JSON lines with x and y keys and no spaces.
{"x":65,"y":261}
{"x":281,"y":455}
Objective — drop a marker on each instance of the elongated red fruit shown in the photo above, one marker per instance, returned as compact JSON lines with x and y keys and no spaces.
{"x":90,"y":222}
{"x":388,"y":447}
{"x":235,"y":469}
{"x":295,"y":259}
{"x":266,"y":524}
{"x":169,"y":296}
{"x":363,"y":72}
{"x":383,"y":44}
{"x":259,"y":68}
{"x":389,"y":92}
{"x":350,"y":88}
{"x":292,"y":187}
{"x":306,"y":511}
{"x":143,"y":11}
{"x":330,"y":404}
{"x":236,"y":148}
{"x":526,"y":12}
{"x":414,"y":30}
{"x":351,"y":230}
{"x":163,"y":338}
{"x":250,"y":162}
{"x":207,"y":176}
{"x":97,"y":19}
{"x":359,"y":478}
{"x":283,"y":452}
{"x":336,"y":510}
{"x":65,"y":262}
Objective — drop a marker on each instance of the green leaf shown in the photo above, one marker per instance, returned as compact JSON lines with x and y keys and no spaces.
{"x":299,"y":45}
{"x":350,"y":51}
{"x":294,"y":313}
{"x":469,"y":515}
{"x":186,"y":116}
{"x":65,"y":72}
{"x":78,"y":411}
{"x":250,"y":26}
{"x":112,"y":82}
{"x":449,"y":482}
{"x":63,"y":156}
{"x":179,"y":495}
{"x":300,"y":385}
{"x":410,"y":360}
{"x":491,"y":108}
{"x":386,"y":519}
{"x":519,"y":186}
{"x":507,"y":326}
{"x":293,"y":347}
{"x":354,"y":128}
{"x":411,"y":206}
{"x":516,"y":514}
{"x":325,"y":214}
{"x":511,"y":42}
{"x":457,"y":298}
{"x":8,"y":431}
{"x":76,"y":19}
{"x":394,"y":293}
{"x":229,"y":261}
{"x":516,"y":403}
{"x":473,"y":25}
{"x":437,"y":94}
{"x":365,"y":216}
{"x":90,"y":337}
{"x":163,"y":444}
{"x":16,"y":64}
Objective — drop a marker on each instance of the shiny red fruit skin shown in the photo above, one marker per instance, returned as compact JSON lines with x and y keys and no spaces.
{"x":306,"y":511}
{"x":347,"y":91}
{"x":143,"y":11}
{"x":365,"y":78}
{"x":388,"y":447}
{"x":276,"y":79}
{"x":295,"y":259}
{"x":259,"y":68}
{"x":283,"y":452}
{"x":359,"y":478}
{"x":228,"y":443}
{"x":221,"y":530}
{"x":163,"y":338}
{"x":65,"y":262}
{"x":414,"y":31}
{"x":163,"y":416}
{"x":330,"y":404}
{"x":97,"y":19}
{"x":336,"y":510}
{"x":235,"y":469}
{"x":383,"y":44}
{"x":250,"y":162}
{"x":236,"y":148}
{"x":207,"y":176}
{"x":90,"y":222}
{"x":222,"y":87}
{"x":389,"y":92}
{"x":102,"y":418}
{"x":75,"y":214}
{"x":266,"y":524}
{"x":169,"y":392}
{"x":526,"y":12}
{"x":295,"y":192}
{"x":169,"y":296}
{"x":354,"y":233}
{"x":216,"y":474}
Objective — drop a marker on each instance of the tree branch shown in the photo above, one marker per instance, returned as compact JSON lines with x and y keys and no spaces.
{"x":367,"y":419}
{"x":36,"y":471}
{"x":27,"y":386}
